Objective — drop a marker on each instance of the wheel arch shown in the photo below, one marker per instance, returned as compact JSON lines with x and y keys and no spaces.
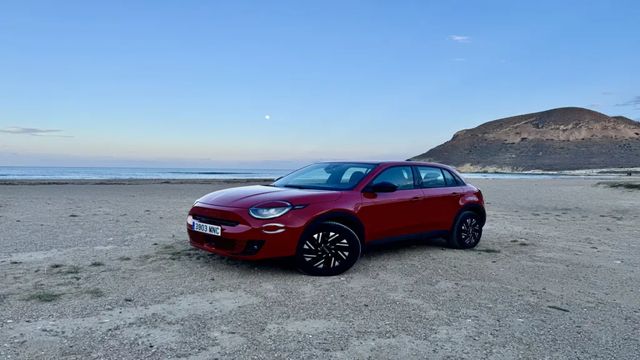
{"x":343,"y":217}
{"x":476,"y":208}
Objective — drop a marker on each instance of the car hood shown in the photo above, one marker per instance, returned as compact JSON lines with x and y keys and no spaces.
{"x":248,"y":196}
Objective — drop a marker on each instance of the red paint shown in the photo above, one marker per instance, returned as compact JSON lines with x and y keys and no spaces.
{"x":381,"y":215}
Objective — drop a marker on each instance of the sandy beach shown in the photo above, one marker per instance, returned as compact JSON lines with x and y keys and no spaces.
{"x":104,"y":270}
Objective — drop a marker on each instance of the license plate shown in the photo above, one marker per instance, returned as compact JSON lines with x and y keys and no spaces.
{"x":207,"y":228}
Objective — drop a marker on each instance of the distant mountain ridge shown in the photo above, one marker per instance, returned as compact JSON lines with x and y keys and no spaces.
{"x":568,"y":138}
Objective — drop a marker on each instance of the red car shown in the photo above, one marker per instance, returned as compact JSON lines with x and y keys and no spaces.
{"x":325,"y":213}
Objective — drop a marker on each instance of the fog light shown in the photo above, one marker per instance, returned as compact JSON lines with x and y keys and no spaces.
{"x":190,"y":220}
{"x":252,"y":247}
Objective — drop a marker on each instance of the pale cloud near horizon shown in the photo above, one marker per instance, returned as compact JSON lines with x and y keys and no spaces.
{"x":460,"y":38}
{"x":16,"y":130}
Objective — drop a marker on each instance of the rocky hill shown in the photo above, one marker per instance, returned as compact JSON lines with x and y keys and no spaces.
{"x":553,"y":140}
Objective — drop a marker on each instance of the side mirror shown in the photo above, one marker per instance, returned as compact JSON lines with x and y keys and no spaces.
{"x":382,"y":187}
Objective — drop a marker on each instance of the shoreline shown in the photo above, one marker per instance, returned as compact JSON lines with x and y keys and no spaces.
{"x":133,"y":181}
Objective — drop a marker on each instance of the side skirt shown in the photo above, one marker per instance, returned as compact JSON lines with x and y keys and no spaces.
{"x":407,"y":238}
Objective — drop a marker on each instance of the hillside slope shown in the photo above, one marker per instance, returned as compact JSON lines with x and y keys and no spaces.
{"x":552,"y":140}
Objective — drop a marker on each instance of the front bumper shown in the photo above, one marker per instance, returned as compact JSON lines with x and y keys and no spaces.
{"x":244,"y":237}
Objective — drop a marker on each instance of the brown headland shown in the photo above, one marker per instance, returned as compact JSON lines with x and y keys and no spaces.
{"x":560,"y":139}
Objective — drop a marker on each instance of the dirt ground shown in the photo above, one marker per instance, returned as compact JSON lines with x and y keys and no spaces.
{"x":105,"y":271}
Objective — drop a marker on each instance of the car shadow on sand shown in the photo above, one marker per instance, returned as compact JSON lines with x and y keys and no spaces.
{"x":179,"y":252}
{"x":399,"y":246}
{"x":396,"y":248}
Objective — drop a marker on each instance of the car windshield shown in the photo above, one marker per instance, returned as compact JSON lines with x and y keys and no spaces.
{"x":326,"y":176}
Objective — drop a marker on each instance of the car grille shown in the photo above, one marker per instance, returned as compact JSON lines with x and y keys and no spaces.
{"x":214,"y":221}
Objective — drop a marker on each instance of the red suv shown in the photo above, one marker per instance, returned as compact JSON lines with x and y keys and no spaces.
{"x":324,"y":213}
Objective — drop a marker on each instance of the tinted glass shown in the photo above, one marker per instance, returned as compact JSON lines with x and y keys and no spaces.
{"x":458,"y":179}
{"x":431,"y":177}
{"x":327,"y":176}
{"x":400,"y":176}
{"x":449,"y":179}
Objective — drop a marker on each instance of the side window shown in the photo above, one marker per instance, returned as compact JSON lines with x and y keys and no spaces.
{"x":431,"y":177}
{"x":458,"y":179}
{"x":449,"y":179}
{"x":401,"y":176}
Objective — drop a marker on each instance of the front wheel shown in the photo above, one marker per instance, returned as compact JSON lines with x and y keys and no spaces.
{"x":466,"y":232}
{"x":327,"y":249}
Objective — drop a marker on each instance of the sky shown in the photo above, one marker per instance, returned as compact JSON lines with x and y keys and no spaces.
{"x":280,"y":83}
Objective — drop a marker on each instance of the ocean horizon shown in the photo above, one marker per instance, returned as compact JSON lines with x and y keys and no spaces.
{"x":171,"y":173}
{"x":125,"y":173}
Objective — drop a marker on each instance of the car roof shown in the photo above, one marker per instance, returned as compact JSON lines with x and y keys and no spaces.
{"x":392,"y":163}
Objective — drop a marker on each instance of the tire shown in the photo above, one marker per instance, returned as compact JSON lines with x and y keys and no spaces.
{"x":326,"y":249}
{"x":466,"y":232}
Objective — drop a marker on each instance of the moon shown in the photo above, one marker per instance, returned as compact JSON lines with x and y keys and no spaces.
{"x":267,"y":117}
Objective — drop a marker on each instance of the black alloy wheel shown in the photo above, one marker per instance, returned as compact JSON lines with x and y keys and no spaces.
{"x":467,"y":231}
{"x":327,"y":249}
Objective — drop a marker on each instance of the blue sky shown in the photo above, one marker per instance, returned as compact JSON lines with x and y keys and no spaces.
{"x":274,"y":83}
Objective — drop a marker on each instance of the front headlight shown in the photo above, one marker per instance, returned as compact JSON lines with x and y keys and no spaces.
{"x":270,"y":210}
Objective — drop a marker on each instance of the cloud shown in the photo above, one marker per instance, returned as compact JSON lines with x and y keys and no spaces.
{"x":460,"y":38}
{"x":635,"y":102}
{"x":32,"y":131}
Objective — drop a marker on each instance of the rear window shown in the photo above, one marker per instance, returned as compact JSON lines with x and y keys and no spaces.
{"x":449,"y":178}
{"x":432,"y":177}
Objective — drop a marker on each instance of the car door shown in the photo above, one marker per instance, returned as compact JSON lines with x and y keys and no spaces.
{"x":394,"y":213}
{"x":441,"y":197}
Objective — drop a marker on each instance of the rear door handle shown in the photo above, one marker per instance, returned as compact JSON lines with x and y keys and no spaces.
{"x":416,"y":198}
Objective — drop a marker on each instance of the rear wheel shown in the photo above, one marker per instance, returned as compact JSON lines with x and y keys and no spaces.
{"x":466,"y":232}
{"x":327,"y":249}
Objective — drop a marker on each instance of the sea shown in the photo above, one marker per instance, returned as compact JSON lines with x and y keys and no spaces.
{"x":126,"y":173}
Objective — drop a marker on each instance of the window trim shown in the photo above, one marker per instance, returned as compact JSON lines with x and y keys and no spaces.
{"x":415,"y":179}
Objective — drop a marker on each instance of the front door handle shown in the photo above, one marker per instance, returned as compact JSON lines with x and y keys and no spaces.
{"x":416,"y":198}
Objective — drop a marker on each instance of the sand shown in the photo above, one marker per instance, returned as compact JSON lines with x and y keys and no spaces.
{"x":105,"y":271}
